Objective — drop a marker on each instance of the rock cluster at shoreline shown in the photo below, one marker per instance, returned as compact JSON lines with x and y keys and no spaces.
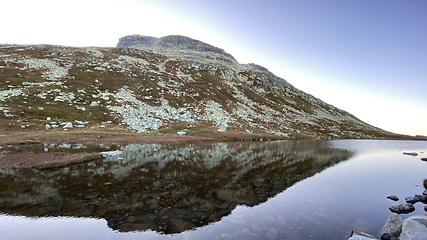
{"x":397,"y":228}
{"x":412,"y":228}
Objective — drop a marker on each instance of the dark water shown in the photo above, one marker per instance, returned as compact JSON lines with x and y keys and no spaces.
{"x":250,"y":190}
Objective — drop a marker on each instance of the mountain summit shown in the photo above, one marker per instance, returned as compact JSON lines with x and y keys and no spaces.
{"x":176,"y":44}
{"x":167,"y":85}
{"x":172,"y":42}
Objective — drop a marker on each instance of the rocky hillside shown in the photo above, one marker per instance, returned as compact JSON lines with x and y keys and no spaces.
{"x":166,"y":85}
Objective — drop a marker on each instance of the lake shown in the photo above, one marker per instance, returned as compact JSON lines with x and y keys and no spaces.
{"x":239,"y":190}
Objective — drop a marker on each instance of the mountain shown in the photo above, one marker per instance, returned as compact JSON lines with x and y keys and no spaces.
{"x":167,"y":85}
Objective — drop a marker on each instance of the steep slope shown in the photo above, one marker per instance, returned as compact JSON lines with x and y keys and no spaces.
{"x":162,"y":86}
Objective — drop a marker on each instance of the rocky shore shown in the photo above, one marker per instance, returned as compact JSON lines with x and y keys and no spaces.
{"x":398,"y":228}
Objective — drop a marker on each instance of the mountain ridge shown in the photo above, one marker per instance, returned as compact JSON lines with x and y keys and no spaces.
{"x":167,"y":85}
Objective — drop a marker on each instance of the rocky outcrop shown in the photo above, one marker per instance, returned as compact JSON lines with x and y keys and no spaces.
{"x":174,"y":44}
{"x":412,"y":228}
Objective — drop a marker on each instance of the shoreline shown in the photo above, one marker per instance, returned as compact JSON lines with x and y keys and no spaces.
{"x":47,"y":160}
{"x":119,"y":135}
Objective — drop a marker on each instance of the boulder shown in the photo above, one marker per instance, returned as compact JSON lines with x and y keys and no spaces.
{"x":402,"y":208}
{"x":411,"y":153}
{"x":392,"y":227}
{"x":422,"y":198}
{"x":393,"y":197}
{"x":412,"y":200}
{"x":414,"y":228}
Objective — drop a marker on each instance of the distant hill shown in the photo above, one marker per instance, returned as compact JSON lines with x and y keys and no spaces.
{"x":169,"y":85}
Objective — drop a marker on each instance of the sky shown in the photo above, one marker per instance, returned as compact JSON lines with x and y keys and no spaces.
{"x":366,"y":57}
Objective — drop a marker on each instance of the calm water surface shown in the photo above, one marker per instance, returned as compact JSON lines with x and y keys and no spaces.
{"x":251,"y":190}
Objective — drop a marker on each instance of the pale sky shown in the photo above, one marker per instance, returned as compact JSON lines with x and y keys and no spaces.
{"x":366,"y":57}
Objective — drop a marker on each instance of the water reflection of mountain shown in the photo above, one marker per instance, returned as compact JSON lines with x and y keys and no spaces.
{"x":166,"y":188}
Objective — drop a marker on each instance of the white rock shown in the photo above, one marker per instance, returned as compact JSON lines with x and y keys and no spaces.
{"x":357,"y":235}
{"x":81,"y":108}
{"x":68,"y":125}
{"x":94,"y":104}
{"x":181,"y":133}
{"x":111,"y":153}
{"x":414,"y":228}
